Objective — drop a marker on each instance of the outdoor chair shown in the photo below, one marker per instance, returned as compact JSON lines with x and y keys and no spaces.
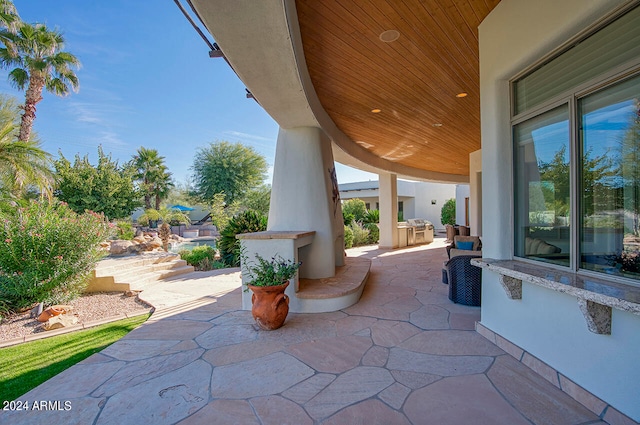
{"x":464,"y":243}
{"x":464,"y":279}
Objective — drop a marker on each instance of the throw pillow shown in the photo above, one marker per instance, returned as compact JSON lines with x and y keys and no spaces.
{"x":467,"y":246}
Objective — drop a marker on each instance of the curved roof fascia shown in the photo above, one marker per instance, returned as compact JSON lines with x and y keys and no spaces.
{"x":261,"y":41}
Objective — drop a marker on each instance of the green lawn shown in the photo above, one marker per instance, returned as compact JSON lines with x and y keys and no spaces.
{"x":25,"y":366}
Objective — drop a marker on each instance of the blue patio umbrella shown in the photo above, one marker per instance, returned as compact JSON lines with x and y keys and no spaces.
{"x":181,"y":208}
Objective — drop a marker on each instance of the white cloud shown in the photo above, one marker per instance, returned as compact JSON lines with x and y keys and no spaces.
{"x":241,"y":135}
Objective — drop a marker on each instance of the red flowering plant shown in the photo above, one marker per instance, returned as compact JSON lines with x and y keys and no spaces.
{"x":47,"y":252}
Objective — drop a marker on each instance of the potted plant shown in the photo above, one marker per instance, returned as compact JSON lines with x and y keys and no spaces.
{"x":268,"y":280}
{"x":178,"y":220}
{"x":150,"y":218}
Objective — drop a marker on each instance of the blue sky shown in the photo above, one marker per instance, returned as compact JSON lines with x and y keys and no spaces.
{"x":146,"y":80}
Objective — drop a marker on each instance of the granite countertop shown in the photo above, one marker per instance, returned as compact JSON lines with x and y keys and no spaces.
{"x":610,"y":293}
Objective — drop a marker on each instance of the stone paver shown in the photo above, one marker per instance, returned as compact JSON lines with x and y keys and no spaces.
{"x":332,"y":355}
{"x":403,"y":355}
{"x":533,"y":396}
{"x":353,"y":386}
{"x":143,"y":370}
{"x":162,"y":400}
{"x":267,"y":375}
{"x":462,"y":401}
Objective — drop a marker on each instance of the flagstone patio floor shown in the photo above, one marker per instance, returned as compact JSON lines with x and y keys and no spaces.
{"x":404,"y":354}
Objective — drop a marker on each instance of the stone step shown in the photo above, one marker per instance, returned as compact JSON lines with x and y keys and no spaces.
{"x":151,"y":277}
{"x":150,"y":272}
{"x":333,"y":293}
{"x":109,"y":265}
{"x":131,"y":273}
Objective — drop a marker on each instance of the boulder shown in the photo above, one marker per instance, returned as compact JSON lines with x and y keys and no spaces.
{"x":54,"y":310}
{"x":139,"y":239}
{"x":155,"y":243}
{"x":60,"y":321}
{"x":136,"y":248}
{"x":119,"y":247}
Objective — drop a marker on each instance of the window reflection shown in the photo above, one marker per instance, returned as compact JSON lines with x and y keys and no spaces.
{"x":543,"y":187}
{"x":610,"y":180}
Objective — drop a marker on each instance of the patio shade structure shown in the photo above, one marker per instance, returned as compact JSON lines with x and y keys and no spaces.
{"x":408,"y":104}
{"x":181,"y":208}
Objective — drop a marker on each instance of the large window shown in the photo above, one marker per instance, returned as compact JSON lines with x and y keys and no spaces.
{"x":577,"y":158}
{"x":543,"y":187}
{"x":610,"y":179}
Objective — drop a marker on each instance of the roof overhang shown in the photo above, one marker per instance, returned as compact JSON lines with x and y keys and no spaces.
{"x":263,"y":43}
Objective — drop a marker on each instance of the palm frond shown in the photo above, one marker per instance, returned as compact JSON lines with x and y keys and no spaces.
{"x":19,"y":78}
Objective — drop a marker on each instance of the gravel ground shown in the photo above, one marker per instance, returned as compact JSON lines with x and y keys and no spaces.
{"x":87,"y":308}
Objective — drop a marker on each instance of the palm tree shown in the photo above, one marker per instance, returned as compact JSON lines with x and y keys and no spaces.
{"x":9,"y":18}
{"x":163,"y":186}
{"x":36,"y":53}
{"x":155,"y":180}
{"x":22,"y":165}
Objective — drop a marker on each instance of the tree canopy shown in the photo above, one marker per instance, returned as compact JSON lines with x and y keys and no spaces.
{"x":353,"y":209}
{"x":448,"y":212}
{"x":229,"y":168}
{"x":258,"y":199}
{"x":152,"y":175}
{"x":36,"y":57}
{"x":106,"y":187}
{"x":23,"y":165}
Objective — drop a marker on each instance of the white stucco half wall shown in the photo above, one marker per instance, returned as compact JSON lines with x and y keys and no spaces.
{"x":549,"y":325}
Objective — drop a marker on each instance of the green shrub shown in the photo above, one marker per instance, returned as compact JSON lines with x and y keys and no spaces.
{"x":124,"y":230}
{"x":244,"y":222}
{"x":348,"y":237}
{"x":353,"y":209}
{"x":374,"y":233}
{"x":207,"y":264}
{"x":360,"y":234}
{"x":448,"y":212}
{"x":174,"y":217}
{"x":200,"y":257}
{"x":150,"y":215}
{"x":47,"y":252}
{"x":372,"y":216}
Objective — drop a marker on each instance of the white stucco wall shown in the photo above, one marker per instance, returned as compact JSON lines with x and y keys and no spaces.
{"x":417,"y":197}
{"x":547,"y":324}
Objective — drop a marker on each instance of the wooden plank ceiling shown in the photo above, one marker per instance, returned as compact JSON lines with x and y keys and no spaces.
{"x":413,"y":81}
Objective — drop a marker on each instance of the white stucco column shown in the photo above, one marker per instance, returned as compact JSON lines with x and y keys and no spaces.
{"x":305,"y":197}
{"x":388,"y":210}
{"x":475,"y":197}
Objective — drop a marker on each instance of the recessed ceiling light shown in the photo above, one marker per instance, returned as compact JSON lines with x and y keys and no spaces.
{"x":463,"y":94}
{"x":438,"y":124}
{"x":376,"y":111}
{"x":389,"y":36}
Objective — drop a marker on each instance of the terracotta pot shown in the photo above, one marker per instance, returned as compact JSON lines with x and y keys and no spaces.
{"x":270,"y":305}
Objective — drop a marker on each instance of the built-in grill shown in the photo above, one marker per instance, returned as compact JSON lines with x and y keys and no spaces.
{"x":419,"y":223}
{"x":420,"y":229}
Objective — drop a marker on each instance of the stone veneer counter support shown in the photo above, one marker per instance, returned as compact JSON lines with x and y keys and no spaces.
{"x":596,"y":297}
